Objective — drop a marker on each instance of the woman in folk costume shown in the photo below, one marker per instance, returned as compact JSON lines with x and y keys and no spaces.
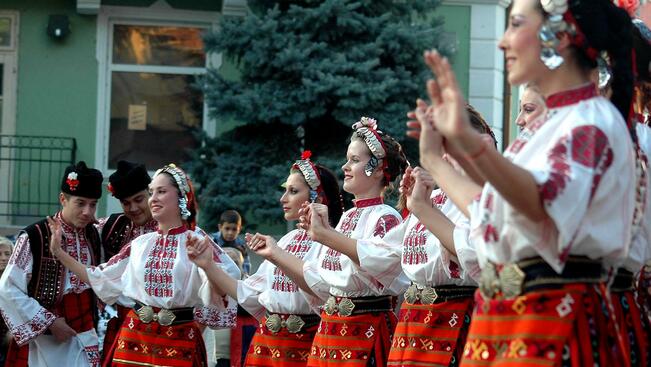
{"x":288,"y":321}
{"x":357,"y":319}
{"x":633,"y":322}
{"x":558,"y":208}
{"x":432,"y":245}
{"x":155,"y":271}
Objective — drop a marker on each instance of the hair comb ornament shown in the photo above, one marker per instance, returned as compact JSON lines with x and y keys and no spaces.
{"x":181,"y":180}
{"x":310,"y":173}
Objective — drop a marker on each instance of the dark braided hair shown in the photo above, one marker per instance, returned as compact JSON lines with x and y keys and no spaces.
{"x":331,"y":190}
{"x":607,"y":28}
{"x":395,"y":156}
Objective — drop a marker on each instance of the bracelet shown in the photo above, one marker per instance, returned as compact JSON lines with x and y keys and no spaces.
{"x":474,"y":156}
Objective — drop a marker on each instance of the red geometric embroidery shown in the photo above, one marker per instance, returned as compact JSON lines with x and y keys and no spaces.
{"x":439,"y":199}
{"x":298,"y":246}
{"x":570,"y":97}
{"x":559,"y":175}
{"x":455,"y":270}
{"x":588,"y":145}
{"x":413,"y":247}
{"x":22,"y":255}
{"x":159,"y":280}
{"x":331,"y":260}
{"x":384,"y":225}
{"x":124,"y":253}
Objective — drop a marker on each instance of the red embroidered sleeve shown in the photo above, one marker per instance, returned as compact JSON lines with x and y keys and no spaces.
{"x":216,"y":318}
{"x":22,"y":255}
{"x":588,"y":146}
{"x":384,"y":225}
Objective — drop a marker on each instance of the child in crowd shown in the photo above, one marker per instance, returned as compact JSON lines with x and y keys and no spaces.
{"x":230,"y":225}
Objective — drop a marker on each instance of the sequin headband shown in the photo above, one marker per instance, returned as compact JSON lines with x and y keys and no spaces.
{"x":181,"y":180}
{"x":179,"y":177}
{"x":366,"y":128}
{"x":311,"y":175}
{"x":561,"y":20}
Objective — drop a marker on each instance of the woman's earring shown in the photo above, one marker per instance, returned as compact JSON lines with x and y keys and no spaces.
{"x":371,"y":166}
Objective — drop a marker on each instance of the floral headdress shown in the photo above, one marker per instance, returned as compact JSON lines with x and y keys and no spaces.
{"x":311,"y":175}
{"x":560,"y":20}
{"x":181,"y":179}
{"x":366,"y":128}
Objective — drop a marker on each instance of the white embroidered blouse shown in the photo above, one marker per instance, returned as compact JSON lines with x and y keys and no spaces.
{"x":270,"y":289}
{"x":154,"y":269}
{"x":24,"y":316}
{"x":582,"y":159}
{"x":334,"y":273}
{"x":424,"y":259}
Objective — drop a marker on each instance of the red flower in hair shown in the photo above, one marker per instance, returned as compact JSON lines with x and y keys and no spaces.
{"x":629,"y":5}
{"x":306,"y":154}
{"x":110,"y":189}
{"x":72,"y":181}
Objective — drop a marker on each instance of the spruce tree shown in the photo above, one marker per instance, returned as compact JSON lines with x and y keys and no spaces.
{"x":310,"y":66}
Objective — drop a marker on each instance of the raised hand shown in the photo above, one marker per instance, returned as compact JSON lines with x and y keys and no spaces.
{"x":200,"y":250}
{"x":55,"y":236}
{"x":422,"y":189}
{"x":319,"y":222}
{"x":406,"y":182}
{"x":263,"y":245}
{"x":304,"y":216}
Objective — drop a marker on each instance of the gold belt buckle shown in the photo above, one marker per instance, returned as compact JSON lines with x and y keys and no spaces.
{"x":489,"y":284}
{"x":165,"y":317}
{"x":294,"y":324}
{"x":145,"y":314}
{"x":344,"y":307}
{"x":330,"y":307}
{"x":411,"y":294}
{"x":428,"y":296}
{"x":274,"y":323}
{"x":511,"y":279}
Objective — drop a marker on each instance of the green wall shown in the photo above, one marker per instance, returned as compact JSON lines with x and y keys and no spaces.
{"x":457,"y":22}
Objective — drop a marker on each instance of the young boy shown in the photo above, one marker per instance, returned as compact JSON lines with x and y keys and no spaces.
{"x":230,"y":225}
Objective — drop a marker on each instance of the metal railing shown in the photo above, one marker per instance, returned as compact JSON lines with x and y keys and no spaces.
{"x":31,"y":168}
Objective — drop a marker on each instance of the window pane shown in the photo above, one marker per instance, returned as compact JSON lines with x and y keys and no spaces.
{"x":167,"y":105}
{"x":5,"y":31}
{"x":150,"y":45}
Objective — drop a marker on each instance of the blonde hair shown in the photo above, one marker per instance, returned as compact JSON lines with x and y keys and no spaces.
{"x":4,"y":241}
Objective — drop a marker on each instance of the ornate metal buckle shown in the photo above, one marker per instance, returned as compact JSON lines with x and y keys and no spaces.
{"x":346,"y":307}
{"x":165,"y":317}
{"x":489,"y":284}
{"x":428,"y":296}
{"x":330,"y":307}
{"x":511,"y":279}
{"x":294,"y":324}
{"x":145,"y":314}
{"x":411,"y":294}
{"x":274,"y":323}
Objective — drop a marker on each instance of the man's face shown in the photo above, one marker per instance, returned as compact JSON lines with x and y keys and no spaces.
{"x":136,"y":207}
{"x":77,"y":211}
{"x":229,"y":231}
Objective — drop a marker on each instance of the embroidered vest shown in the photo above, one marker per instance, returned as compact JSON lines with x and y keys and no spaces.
{"x":113,"y":234}
{"x":46,"y":284}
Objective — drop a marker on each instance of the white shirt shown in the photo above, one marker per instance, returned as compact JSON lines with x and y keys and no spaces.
{"x":270,"y":289}
{"x":424,"y":259}
{"x":582,"y":159}
{"x":154,"y":269}
{"x":24,"y":316}
{"x":334,"y":273}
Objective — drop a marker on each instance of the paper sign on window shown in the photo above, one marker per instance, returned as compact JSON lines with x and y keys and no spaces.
{"x":137,"y":117}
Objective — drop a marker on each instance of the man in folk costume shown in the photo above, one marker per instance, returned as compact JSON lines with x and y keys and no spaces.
{"x":48,"y":309}
{"x":130,"y":185}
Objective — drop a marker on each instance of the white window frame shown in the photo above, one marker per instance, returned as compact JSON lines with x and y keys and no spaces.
{"x":13,"y":40}
{"x":158,"y":14}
